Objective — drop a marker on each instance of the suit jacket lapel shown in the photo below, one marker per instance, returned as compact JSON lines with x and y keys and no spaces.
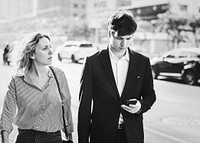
{"x":131,"y":70}
{"x":106,"y":64}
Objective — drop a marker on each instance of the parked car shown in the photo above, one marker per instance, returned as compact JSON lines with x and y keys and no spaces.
{"x":76,"y":50}
{"x":182,"y":63}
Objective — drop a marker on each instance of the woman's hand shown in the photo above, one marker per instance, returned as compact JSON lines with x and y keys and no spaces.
{"x":5,"y":136}
{"x":70,"y":136}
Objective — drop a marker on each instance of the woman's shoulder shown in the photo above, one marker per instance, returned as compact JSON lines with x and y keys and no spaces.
{"x":16,"y":78}
{"x":58,"y":71}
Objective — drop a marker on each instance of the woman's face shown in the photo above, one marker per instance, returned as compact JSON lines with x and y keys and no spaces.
{"x":43,"y":52}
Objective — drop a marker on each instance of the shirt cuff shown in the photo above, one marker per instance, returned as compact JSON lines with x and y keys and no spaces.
{"x":138,"y":112}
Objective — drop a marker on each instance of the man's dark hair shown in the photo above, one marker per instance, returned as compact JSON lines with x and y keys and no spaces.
{"x":122,"y":22}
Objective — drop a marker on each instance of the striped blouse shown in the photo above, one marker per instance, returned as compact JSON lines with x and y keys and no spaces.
{"x":30,"y":107}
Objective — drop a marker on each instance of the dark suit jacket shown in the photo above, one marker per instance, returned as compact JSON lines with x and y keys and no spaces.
{"x":100,"y":103}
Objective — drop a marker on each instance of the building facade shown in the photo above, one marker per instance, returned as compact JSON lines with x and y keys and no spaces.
{"x":12,"y":10}
{"x":55,"y":16}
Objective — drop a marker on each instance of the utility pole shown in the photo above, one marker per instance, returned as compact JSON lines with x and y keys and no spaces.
{"x":35,"y":3}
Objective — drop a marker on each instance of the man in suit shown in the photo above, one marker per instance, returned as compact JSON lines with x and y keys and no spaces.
{"x":111,"y":78}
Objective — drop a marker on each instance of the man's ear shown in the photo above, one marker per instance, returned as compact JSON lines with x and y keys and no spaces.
{"x":110,"y":33}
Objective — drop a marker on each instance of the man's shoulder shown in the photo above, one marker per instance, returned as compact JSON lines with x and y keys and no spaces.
{"x":138,"y":55}
{"x":97,"y":54}
{"x":97,"y":57}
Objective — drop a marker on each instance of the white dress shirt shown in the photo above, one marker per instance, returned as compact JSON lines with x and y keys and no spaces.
{"x":120,"y":69}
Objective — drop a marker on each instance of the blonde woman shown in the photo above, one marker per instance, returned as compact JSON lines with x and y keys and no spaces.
{"x":33,"y":101}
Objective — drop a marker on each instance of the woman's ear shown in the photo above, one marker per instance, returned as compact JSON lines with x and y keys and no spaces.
{"x":32,"y":56}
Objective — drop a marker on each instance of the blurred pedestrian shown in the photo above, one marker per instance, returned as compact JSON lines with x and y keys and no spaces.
{"x":116,"y":88}
{"x":6,"y":55}
{"x":33,"y":102}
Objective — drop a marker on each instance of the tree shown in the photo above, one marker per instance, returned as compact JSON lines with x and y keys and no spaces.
{"x":195,"y":25}
{"x":178,"y":26}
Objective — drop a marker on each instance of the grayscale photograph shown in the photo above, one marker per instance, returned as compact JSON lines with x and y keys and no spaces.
{"x":99,"y":71}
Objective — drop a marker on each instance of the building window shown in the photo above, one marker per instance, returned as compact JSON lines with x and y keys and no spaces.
{"x":75,"y":5}
{"x":75,"y":14}
{"x":83,"y":16}
{"x":183,"y":7}
{"x":138,"y":11}
{"x":154,"y":8}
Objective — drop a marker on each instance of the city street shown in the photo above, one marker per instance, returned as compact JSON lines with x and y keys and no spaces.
{"x":166,"y":31}
{"x":174,"y":118}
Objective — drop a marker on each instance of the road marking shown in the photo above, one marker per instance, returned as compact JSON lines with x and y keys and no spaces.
{"x":181,"y":121}
{"x":169,"y":99}
{"x":166,"y":136}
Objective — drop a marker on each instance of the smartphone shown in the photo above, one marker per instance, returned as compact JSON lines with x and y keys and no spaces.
{"x":130,"y":102}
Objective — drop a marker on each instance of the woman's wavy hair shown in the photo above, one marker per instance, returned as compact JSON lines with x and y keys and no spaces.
{"x":28,"y":46}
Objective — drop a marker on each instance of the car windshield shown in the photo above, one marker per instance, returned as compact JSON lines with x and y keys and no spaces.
{"x":177,"y":53}
{"x":190,"y":54}
{"x":70,"y":45}
{"x":86,"y":46}
{"x":171,"y":54}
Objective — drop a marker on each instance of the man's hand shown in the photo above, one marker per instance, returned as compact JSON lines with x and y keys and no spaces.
{"x":131,"y":108}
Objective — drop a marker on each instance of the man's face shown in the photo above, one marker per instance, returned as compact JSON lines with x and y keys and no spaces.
{"x":120,"y":43}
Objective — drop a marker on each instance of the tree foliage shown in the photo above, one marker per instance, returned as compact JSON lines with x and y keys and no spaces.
{"x":179,"y":26}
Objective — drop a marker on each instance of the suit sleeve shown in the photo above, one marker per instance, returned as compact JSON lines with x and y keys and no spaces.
{"x":85,"y":98}
{"x":148,"y":93}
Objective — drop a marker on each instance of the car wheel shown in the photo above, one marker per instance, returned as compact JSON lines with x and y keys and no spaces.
{"x":189,"y":77}
{"x":59,"y":57}
{"x":74,"y":59}
{"x":155,"y":72}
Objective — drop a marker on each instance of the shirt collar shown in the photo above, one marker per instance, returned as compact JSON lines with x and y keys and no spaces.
{"x":112,"y":55}
{"x":27,"y":78}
